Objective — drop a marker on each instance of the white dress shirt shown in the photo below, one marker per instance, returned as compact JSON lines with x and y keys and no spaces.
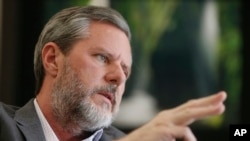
{"x":49,"y":133}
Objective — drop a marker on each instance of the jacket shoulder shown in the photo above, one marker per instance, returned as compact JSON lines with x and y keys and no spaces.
{"x":8,"y":127}
{"x":7,"y":110}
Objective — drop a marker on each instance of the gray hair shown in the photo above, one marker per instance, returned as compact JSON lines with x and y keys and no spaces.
{"x":70,"y":25}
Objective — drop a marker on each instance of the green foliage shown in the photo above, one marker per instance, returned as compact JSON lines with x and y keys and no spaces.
{"x":230,"y":60}
{"x":78,"y":2}
{"x":53,"y":6}
{"x":148,"y":20}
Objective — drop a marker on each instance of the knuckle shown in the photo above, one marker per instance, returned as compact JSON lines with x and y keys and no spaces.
{"x":187,"y":111}
{"x":192,"y":103}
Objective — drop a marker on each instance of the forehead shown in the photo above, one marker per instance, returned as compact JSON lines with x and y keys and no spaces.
{"x":103,"y":36}
{"x":111,"y":38}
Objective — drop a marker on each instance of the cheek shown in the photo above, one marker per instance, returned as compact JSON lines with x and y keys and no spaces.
{"x":90,"y":74}
{"x":120,"y":94}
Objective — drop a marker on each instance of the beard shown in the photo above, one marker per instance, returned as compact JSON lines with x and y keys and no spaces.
{"x":72,"y":105}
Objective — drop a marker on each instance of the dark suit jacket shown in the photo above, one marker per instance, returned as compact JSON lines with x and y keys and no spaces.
{"x":22,"y":124}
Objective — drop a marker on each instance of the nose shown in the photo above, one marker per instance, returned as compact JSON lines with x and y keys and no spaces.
{"x":115,"y":75}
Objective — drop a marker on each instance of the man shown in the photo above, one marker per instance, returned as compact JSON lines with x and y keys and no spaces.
{"x":82,"y":61}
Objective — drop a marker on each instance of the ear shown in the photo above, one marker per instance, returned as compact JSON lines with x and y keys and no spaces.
{"x":51,"y":58}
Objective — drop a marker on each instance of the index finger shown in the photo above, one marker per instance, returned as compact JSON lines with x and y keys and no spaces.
{"x":206,"y":101}
{"x":199,"y":108}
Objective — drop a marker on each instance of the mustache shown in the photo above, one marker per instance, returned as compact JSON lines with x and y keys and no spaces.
{"x":108,"y":88}
{"x":111,"y":89}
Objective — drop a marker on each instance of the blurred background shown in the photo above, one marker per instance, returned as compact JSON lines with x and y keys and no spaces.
{"x":182,"y":49}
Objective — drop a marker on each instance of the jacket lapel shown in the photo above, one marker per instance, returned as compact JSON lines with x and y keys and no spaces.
{"x":111,"y":133}
{"x":29,"y":123}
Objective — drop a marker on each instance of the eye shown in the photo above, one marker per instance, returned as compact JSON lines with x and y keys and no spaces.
{"x":126,"y":71}
{"x":102,"y":58}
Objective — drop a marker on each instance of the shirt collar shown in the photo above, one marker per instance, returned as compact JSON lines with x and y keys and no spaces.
{"x":49,"y":133}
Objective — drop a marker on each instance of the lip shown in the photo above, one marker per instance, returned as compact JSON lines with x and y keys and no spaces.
{"x":108,"y":95}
